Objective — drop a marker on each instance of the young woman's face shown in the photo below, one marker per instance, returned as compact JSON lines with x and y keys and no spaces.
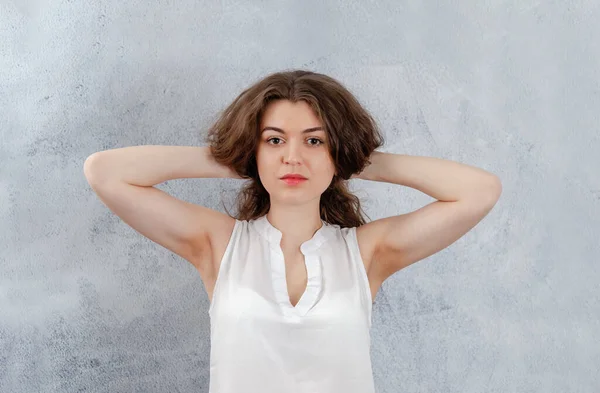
{"x":293,"y":151}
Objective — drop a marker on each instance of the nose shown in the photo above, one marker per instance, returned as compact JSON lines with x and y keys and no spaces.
{"x":291,"y":155}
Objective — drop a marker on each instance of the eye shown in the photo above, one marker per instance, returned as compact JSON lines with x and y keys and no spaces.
{"x":312,"y":144}
{"x":270,"y":139}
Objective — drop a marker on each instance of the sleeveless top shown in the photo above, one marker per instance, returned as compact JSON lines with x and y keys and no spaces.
{"x":261,"y":343}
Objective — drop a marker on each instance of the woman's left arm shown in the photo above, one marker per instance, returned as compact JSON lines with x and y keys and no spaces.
{"x":464,"y":194}
{"x":441,"y":179}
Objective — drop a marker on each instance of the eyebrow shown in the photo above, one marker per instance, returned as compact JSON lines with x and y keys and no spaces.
{"x":308,"y":130}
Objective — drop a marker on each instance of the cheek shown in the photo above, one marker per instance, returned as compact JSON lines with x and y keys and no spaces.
{"x":324,"y":165}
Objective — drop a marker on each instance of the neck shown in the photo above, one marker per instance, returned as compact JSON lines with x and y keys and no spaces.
{"x":296,"y":227}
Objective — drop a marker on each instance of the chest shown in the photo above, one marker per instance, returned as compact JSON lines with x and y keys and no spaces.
{"x":296,"y":275}
{"x":292,"y":265}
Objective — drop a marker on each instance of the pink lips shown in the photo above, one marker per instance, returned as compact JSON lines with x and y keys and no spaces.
{"x":293,"y":180}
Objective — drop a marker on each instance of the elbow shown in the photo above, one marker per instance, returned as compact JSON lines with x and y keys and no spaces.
{"x":493,"y":189}
{"x":92,"y":169}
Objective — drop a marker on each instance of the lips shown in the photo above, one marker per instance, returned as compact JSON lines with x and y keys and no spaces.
{"x":294,"y":177}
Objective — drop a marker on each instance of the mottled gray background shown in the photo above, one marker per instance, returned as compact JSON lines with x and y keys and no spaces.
{"x":89,"y":305}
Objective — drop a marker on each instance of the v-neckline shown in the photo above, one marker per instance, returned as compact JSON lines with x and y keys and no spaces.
{"x":312,"y":263}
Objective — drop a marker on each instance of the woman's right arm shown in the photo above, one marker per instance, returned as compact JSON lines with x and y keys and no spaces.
{"x":123,"y":179}
{"x":149,"y":165}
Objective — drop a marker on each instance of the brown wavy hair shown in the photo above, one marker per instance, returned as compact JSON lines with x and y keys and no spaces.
{"x":352,"y":132}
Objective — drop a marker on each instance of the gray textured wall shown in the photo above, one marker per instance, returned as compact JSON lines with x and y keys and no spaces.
{"x":89,"y":305}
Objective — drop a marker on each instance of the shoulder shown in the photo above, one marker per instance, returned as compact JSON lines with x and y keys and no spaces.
{"x":220,"y":237}
{"x":369,"y":237}
{"x":368,"y":240}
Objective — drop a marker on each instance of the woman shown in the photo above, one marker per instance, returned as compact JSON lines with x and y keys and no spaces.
{"x":292,"y":276}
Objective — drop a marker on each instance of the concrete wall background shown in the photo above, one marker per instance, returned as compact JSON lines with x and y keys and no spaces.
{"x":89,"y":305}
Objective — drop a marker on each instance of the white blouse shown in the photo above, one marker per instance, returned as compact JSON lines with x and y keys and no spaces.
{"x":261,"y":343}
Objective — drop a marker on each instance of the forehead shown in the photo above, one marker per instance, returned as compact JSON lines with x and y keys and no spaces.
{"x":283,"y":112}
